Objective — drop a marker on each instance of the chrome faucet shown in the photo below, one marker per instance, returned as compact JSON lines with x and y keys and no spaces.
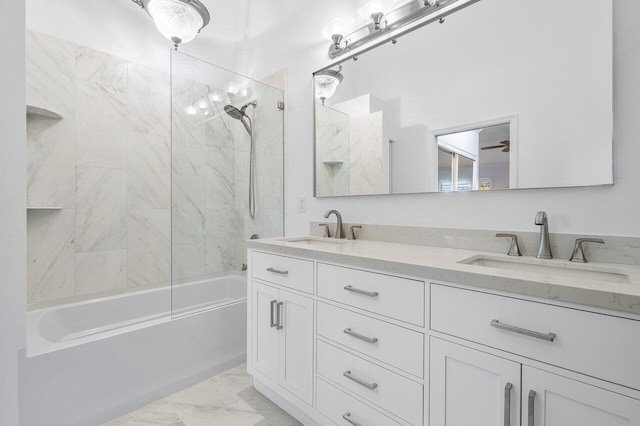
{"x":544,"y":251}
{"x":339,"y":230}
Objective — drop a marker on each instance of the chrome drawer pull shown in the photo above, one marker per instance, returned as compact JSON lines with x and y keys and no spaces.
{"x":273,"y":323}
{"x":347,"y":417}
{"x":532,"y":402}
{"x":279,"y":306}
{"x":550,"y":337}
{"x":277,"y":271}
{"x":370,"y":386}
{"x":360,"y":336}
{"x":507,"y":404}
{"x":363,"y":292}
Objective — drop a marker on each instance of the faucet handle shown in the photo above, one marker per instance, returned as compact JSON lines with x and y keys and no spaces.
{"x":578,"y":250}
{"x":514,"y":249}
{"x":352,"y":232}
{"x":327,"y":232}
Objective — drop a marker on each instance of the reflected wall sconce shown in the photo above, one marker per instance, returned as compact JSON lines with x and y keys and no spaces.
{"x":384,"y":17}
{"x":178,"y":20}
{"x":326,"y":83}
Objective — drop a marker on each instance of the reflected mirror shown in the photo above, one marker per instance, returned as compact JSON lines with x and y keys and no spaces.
{"x":506,"y":94}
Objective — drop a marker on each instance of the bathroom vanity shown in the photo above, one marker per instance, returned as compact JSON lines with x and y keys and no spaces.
{"x":375,"y":333}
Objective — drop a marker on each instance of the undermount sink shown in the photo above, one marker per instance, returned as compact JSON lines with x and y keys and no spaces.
{"x":558,"y":268}
{"x":318,"y":242}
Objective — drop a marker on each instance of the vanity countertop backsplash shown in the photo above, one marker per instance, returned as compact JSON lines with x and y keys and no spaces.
{"x":611,"y":279}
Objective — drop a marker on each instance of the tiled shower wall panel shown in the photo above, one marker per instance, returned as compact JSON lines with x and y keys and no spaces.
{"x":211,"y":178}
{"x":104,"y":169}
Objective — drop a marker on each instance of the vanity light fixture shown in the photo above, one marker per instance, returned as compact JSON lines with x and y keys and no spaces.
{"x":387,"y":16}
{"x":326,"y":83}
{"x":375,"y":10}
{"x":335,"y":30}
{"x":178,"y":20}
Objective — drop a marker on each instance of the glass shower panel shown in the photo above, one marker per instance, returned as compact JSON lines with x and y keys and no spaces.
{"x":227,"y":180}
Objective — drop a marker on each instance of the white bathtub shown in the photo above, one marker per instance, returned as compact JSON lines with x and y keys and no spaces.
{"x":90,"y":361}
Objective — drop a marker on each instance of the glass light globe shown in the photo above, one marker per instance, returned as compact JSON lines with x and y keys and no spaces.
{"x":326,"y":85}
{"x":191,"y":110}
{"x":369,"y":7}
{"x":340,"y":26}
{"x":215,"y":96}
{"x":231,"y":87}
{"x":175,"y":20}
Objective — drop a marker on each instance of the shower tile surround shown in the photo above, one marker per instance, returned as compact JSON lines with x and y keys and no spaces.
{"x":211,"y":177}
{"x":109,"y":170}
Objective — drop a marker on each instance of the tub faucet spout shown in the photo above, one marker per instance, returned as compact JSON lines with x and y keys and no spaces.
{"x":544,"y":251}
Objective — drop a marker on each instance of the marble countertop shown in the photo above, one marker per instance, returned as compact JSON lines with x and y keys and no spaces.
{"x":443,"y":265}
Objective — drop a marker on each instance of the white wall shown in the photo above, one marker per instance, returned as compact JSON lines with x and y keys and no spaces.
{"x":121,"y":28}
{"x":13,"y":209}
{"x":597,"y":210}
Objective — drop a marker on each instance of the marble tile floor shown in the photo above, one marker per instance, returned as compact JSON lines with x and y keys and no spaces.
{"x":227,"y":399}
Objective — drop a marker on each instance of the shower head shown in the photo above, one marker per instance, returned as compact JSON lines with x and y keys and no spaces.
{"x":241,"y":115}
{"x":236,"y":113}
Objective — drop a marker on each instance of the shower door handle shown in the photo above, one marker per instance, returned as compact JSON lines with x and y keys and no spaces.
{"x":279,"y":306}
{"x":273,"y":323}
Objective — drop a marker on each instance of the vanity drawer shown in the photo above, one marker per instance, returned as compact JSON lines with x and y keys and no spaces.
{"x":394,"y":345}
{"x":602,"y":346}
{"x":337,"y":405}
{"x":394,"y":297}
{"x":284,"y":271}
{"x":388,"y":390}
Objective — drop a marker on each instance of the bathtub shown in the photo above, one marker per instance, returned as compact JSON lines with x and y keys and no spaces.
{"x":90,"y":361}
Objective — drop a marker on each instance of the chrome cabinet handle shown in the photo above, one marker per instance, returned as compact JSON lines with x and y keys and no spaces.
{"x":532,"y":402}
{"x":277,"y":271}
{"x":507,"y":404}
{"x":273,"y":323}
{"x":550,"y":337}
{"x":370,"y":386}
{"x":360,"y":336}
{"x":279,"y":306}
{"x":363,"y":292}
{"x":347,"y":417}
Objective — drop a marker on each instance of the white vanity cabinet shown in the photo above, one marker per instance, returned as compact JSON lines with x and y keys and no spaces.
{"x":469,"y":387}
{"x":552,"y":400}
{"x":489,"y":386}
{"x":343,"y":345}
{"x":282,"y":337}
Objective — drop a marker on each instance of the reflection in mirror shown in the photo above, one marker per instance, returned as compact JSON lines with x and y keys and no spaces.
{"x":536,"y":100}
{"x":477,"y":159}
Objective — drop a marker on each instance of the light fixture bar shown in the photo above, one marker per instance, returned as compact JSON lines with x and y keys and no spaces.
{"x":394,"y":29}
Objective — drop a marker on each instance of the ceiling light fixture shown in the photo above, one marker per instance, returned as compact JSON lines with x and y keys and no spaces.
{"x":178,"y":20}
{"x":389,"y":16}
{"x":326,"y":83}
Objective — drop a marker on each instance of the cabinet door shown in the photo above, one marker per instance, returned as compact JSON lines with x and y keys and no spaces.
{"x":265,"y":343}
{"x":559,"y":401}
{"x":470,"y":387}
{"x":296,"y":345}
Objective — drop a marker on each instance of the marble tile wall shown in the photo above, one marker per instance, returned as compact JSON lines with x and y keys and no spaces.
{"x":210,"y":169}
{"x":366,"y":170}
{"x":126,"y":182}
{"x":332,"y":152}
{"x":105,"y":167}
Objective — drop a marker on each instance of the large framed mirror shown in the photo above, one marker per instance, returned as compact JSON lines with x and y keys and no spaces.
{"x":506,"y":94}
